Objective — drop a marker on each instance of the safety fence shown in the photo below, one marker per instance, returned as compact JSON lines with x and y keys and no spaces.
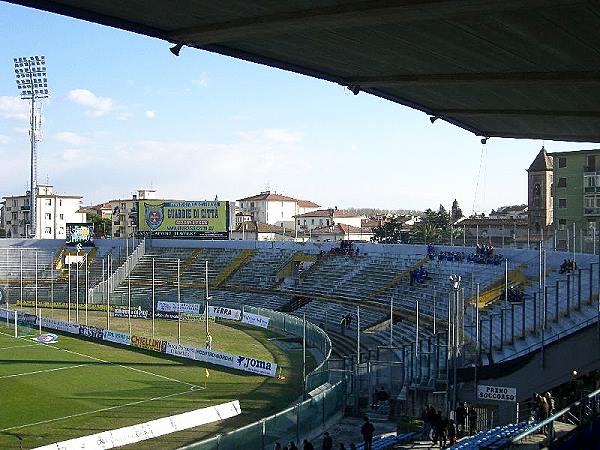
{"x":325,"y":396}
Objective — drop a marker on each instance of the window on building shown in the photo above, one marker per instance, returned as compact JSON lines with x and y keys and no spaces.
{"x":327,"y":222}
{"x":312,"y":221}
{"x":320,"y":221}
{"x":48,"y":202}
{"x":562,"y":182}
{"x":14,"y":203}
{"x":562,"y":202}
{"x":62,"y":217}
{"x":298,"y":221}
{"x":251,"y":204}
{"x":562,"y":162}
{"x":562,"y":224}
{"x":60,"y":203}
{"x":591,"y":163}
{"x":48,"y":216}
{"x":48,"y":230}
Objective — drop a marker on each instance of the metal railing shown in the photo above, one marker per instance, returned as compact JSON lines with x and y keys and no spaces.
{"x":99,"y":292}
{"x":324,"y":397}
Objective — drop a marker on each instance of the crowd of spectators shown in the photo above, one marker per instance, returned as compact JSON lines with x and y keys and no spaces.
{"x":418,"y":275}
{"x":442,"y":430}
{"x":515,"y":294}
{"x":484,"y":254}
{"x":568,"y":266}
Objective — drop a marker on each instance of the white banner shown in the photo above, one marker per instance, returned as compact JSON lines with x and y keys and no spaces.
{"x":496,"y":393}
{"x":238,"y":362}
{"x":60,"y":325}
{"x":255,"y":320}
{"x":184,"y":351}
{"x":149,"y":430}
{"x":224,"y":313}
{"x":116,"y":337}
{"x":190,"y":308}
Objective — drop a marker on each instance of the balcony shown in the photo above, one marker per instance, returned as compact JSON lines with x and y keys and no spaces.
{"x":25,"y":208}
{"x":591,"y":212}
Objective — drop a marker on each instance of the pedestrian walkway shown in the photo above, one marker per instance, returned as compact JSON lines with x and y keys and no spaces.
{"x":347,"y":430}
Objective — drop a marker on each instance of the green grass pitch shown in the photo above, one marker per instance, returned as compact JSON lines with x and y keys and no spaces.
{"x":50,"y":393}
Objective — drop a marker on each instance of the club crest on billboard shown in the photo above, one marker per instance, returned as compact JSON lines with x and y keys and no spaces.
{"x":154,"y":215}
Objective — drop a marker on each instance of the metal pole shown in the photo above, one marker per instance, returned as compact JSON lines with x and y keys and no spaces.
{"x":303,"y":355}
{"x":21,"y":263}
{"x":207,"y":297}
{"x":417,"y":329}
{"x":51,"y":290}
{"x":392,"y":321}
{"x":357,"y":349}
{"x":574,"y":241}
{"x":477,"y":316}
{"x":506,"y":282}
{"x":86,"y":288}
{"x":434,"y":313}
{"x":36,"y":283}
{"x":179,"y":303}
{"x":69,"y":295}
{"x":153,"y":298}
{"x":129,"y":300}
{"x":77,"y":288}
{"x":108,"y":264}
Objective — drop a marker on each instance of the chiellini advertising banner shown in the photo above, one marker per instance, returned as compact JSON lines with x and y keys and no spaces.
{"x":182,"y":219}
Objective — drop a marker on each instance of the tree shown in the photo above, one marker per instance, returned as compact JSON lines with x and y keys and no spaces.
{"x":390,"y":232}
{"x":102,"y":226}
{"x":456,"y":213}
{"x":426,"y":231}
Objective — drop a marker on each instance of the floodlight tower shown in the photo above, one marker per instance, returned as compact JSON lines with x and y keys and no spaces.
{"x":30,"y":73}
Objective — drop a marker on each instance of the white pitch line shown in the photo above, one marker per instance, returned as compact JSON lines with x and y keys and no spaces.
{"x":130,"y":368}
{"x":43,"y":371}
{"x":18,"y":346}
{"x":109,"y":408}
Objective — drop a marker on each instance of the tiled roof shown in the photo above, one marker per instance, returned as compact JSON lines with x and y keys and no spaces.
{"x":541,"y":163}
{"x":329,"y":213}
{"x":261,"y":227}
{"x":486,"y":221}
{"x":307,"y":204}
{"x":269,"y":197}
{"x":340,"y":228}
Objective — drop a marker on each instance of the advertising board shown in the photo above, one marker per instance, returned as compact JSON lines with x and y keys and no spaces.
{"x":224,"y":313}
{"x":116,"y":337}
{"x":255,"y":320}
{"x":184,"y":219}
{"x":80,"y":233}
{"x":188,"y":308}
{"x":148,"y":343}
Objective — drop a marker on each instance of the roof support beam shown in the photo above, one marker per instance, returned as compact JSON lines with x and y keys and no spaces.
{"x":514,"y":112}
{"x":346,"y":15}
{"x":489,"y":77}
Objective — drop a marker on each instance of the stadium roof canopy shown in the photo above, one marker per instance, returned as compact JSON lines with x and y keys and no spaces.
{"x":510,"y":68}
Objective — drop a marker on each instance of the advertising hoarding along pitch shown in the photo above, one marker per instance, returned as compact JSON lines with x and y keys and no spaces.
{"x":181,"y":219}
{"x":188,"y":308}
{"x":224,"y":313}
{"x":148,"y":343}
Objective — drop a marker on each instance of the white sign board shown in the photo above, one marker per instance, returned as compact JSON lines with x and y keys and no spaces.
{"x":149,"y":430}
{"x":255,"y":320}
{"x":189,"y":308}
{"x":224,"y":313}
{"x":496,"y":393}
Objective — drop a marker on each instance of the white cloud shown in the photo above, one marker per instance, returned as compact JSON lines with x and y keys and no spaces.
{"x":125,"y":115}
{"x":273,"y":135}
{"x":13,"y":108}
{"x":68,"y":137}
{"x":21,"y":130}
{"x":150,"y":114}
{"x":98,"y":106}
{"x":202,"y":80}
{"x":4,"y":139}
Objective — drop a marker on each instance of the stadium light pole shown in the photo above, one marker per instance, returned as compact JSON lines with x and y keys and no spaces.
{"x":30,"y":75}
{"x":178,"y":303}
{"x":207,"y":296}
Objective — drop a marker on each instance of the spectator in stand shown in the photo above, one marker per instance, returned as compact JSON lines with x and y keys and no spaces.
{"x":327,"y":442}
{"x":461,"y":418}
{"x":353,"y":446}
{"x":432,"y":418}
{"x":451,"y":431}
{"x":472,"y":418}
{"x":277,"y":446}
{"x":367,"y":431}
{"x":342,"y":447}
{"x":306,"y":445}
{"x":292,"y":446}
{"x":426,"y":425}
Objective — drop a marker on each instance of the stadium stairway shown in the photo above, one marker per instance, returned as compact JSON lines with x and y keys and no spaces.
{"x":237,"y":263}
{"x":397,"y":279}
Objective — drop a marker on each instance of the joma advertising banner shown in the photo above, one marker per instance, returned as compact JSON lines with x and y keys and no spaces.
{"x":224,"y":313}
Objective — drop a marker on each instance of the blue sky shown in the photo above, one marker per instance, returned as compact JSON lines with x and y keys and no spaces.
{"x":124,"y":114}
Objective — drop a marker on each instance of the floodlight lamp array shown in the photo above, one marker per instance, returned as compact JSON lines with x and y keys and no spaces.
{"x":30,"y":73}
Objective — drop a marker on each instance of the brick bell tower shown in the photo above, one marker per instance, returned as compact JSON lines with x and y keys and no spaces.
{"x":539,"y":197}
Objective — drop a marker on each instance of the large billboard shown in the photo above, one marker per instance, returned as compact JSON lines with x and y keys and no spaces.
{"x":80,"y":233}
{"x":180,"y":219}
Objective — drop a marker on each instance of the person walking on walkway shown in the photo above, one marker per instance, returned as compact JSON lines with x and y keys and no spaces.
{"x":367,"y":431}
